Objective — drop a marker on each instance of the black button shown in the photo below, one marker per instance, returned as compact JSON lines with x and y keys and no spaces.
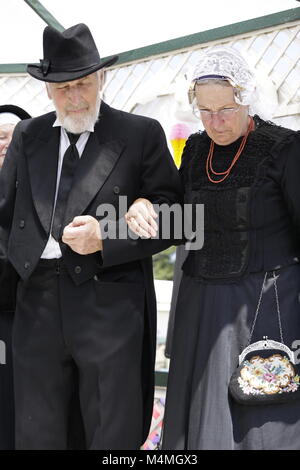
{"x":22,"y":223}
{"x":116,"y":190}
{"x":77,"y":269}
{"x":17,"y":183}
{"x":27,"y":265}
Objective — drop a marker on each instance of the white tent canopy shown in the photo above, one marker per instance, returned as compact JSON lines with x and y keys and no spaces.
{"x":119,"y":25}
{"x":151,"y":80}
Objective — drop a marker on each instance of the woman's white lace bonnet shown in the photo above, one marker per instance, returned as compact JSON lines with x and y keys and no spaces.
{"x":226,"y":64}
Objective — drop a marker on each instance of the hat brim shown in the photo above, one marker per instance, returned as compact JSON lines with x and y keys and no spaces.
{"x":57,"y":77}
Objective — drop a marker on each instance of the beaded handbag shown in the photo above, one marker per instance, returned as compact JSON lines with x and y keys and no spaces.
{"x":267,"y":371}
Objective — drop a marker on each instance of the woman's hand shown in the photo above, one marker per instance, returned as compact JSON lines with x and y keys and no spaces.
{"x":141,"y":218}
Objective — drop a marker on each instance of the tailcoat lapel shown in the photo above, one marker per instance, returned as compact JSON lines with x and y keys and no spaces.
{"x":100,"y":155}
{"x":96,"y":163}
{"x":42,"y":155}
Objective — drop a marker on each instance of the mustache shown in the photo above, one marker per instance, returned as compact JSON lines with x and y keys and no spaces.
{"x":76,"y":108}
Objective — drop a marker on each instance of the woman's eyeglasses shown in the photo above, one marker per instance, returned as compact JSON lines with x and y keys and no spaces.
{"x":206,"y":115}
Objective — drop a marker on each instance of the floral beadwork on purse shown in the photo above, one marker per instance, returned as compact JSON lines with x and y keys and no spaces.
{"x":267,"y":371}
{"x":275,"y":374}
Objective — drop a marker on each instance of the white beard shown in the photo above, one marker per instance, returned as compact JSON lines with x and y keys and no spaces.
{"x":82,"y":123}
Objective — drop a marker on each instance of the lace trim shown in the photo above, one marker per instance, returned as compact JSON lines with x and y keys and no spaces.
{"x":227,"y":204}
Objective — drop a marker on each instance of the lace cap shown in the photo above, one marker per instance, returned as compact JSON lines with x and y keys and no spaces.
{"x":226,"y":64}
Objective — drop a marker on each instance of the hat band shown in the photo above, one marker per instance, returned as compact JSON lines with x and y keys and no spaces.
{"x":218,"y":77}
{"x":45,"y":66}
{"x":203,"y":77}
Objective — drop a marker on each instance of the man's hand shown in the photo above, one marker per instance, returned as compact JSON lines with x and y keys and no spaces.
{"x":83,"y":235}
{"x":141,"y":218}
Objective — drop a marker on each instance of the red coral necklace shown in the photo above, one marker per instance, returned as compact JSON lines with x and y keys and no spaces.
{"x":209,"y":168}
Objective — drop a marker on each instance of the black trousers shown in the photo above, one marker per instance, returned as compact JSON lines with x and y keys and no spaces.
{"x":76,"y":438}
{"x":88,"y":336}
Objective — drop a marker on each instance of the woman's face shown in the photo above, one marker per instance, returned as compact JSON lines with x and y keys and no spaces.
{"x":6,"y":131}
{"x":225,"y":127}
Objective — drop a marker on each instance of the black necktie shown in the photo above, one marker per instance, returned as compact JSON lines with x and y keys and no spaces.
{"x":71,"y":158}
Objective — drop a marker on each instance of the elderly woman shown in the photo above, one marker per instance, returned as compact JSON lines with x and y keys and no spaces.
{"x":10,"y":114}
{"x":246,"y":173}
{"x":6,"y":132}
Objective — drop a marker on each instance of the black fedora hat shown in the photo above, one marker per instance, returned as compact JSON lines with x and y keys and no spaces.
{"x":68,"y":55}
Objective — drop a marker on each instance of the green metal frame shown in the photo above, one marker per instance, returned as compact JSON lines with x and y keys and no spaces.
{"x":215,"y":34}
{"x":49,"y":19}
{"x":41,"y":11}
{"x":166,"y":47}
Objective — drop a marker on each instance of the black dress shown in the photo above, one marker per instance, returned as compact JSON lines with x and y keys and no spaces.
{"x":252,"y":225}
{"x":7,"y":306}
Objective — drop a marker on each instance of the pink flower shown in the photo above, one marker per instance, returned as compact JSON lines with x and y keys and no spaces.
{"x":293,"y":387}
{"x":270,"y":377}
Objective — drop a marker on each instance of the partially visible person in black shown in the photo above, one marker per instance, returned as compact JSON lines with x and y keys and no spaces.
{"x":9,"y":116}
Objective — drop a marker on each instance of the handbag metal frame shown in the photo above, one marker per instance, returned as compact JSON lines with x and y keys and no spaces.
{"x":266,"y":343}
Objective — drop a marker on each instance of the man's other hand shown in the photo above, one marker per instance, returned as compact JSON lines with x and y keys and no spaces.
{"x":83,"y":235}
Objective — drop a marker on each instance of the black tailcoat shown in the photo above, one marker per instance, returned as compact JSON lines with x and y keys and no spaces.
{"x":126,"y":155}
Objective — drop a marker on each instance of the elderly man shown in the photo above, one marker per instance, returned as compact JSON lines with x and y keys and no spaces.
{"x":85,"y":302}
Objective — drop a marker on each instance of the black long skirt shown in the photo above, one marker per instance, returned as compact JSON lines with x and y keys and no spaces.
{"x":212,"y":327}
{"x":6,"y":383}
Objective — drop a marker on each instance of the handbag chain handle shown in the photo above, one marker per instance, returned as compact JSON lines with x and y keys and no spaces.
{"x":259,"y":304}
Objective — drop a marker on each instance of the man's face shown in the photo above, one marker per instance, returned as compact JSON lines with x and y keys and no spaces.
{"x":77,"y":102}
{"x":6,"y":132}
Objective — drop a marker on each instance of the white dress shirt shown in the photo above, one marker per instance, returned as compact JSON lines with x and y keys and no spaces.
{"x":52,"y":249}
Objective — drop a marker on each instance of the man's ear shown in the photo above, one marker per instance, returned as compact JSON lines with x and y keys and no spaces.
{"x":48,"y":88}
{"x":101,"y":78}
